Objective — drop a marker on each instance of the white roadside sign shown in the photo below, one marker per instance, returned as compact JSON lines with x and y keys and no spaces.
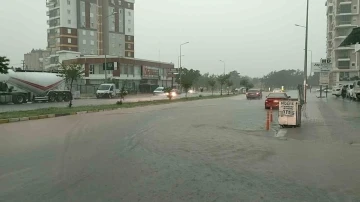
{"x":288,"y":112}
{"x":324,"y":78}
{"x":320,"y":67}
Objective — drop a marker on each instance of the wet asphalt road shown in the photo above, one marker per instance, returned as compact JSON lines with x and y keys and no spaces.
{"x":93,"y":101}
{"x":208,"y":150}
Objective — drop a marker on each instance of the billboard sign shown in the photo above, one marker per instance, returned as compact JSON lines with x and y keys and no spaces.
{"x":173,"y":70}
{"x":320,"y":67}
{"x":149,"y":72}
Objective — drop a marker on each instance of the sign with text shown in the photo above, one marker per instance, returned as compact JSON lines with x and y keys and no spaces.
{"x":320,"y":67}
{"x":324,"y":78}
{"x":150,"y":72}
{"x":173,"y":70}
{"x":287,"y":108}
{"x":288,"y":114}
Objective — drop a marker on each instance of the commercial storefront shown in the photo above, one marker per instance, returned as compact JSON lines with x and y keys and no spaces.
{"x":136,"y":75}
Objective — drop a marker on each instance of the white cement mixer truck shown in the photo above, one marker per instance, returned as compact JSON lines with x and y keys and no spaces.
{"x":21,"y":87}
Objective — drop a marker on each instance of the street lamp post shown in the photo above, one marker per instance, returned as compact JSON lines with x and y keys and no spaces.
{"x":306,"y":46}
{"x":105,"y":52}
{"x":172,"y":80}
{"x":224,"y":65}
{"x":311,"y":60}
{"x":180,"y":61}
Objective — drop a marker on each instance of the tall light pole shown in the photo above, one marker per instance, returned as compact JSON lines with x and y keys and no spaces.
{"x":180,"y":61}
{"x":311,"y":60}
{"x":224,"y":65}
{"x":306,"y":46}
{"x":172,"y":78}
{"x":105,"y":52}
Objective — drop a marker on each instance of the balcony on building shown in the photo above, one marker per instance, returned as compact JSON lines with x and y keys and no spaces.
{"x":343,"y":64}
{"x":344,"y":8}
{"x":343,"y":56}
{"x":345,"y":24}
{"x":345,"y":2}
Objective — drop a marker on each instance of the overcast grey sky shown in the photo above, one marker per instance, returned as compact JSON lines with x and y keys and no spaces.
{"x":253,"y":37}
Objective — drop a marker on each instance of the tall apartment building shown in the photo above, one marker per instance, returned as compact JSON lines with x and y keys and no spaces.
{"x":342,"y":17}
{"x":37,"y":59}
{"x":91,"y":27}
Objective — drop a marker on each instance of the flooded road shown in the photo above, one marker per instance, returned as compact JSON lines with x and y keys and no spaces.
{"x":209,"y":150}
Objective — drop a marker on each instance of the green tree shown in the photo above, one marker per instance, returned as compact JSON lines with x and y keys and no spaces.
{"x":4,"y":65}
{"x":289,"y":78}
{"x":71,"y":73}
{"x":229,"y":83}
{"x":245,"y":81}
{"x":188,"y":78}
{"x":212,"y":83}
{"x":222,"y":80}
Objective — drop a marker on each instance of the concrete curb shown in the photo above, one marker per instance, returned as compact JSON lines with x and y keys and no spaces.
{"x":13,"y":120}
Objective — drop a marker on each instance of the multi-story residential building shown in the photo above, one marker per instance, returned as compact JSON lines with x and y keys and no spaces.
{"x":91,"y":27}
{"x":342,"y":17}
{"x":36,"y":59}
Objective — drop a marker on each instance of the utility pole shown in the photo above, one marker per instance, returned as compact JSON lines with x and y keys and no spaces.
{"x":23,"y":64}
{"x":306,"y":49}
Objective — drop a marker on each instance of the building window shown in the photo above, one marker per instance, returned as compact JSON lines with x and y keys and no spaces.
{"x":112,"y":1}
{"x":92,"y":24}
{"x":120,"y":11}
{"x":58,"y":40}
{"x":91,"y":15}
{"x":84,"y":32}
{"x":129,"y":13}
{"x":83,"y":13}
{"x":69,"y":40}
{"x":92,"y":33}
{"x":129,"y":29}
{"x":69,"y":22}
{"x":68,"y":2}
{"x":129,"y":5}
{"x":92,"y":42}
{"x":129,"y":46}
{"x":91,"y":69}
{"x":119,"y":2}
{"x":84,"y":41}
{"x":68,"y":11}
{"x":129,"y":54}
{"x":69,"y":31}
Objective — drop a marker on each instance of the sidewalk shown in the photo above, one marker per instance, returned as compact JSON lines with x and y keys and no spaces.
{"x":323,"y":121}
{"x":140,"y":95}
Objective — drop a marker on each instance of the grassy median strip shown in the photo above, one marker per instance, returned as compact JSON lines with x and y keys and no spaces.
{"x":64,"y":111}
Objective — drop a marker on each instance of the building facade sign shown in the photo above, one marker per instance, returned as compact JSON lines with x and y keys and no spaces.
{"x":149,"y":72}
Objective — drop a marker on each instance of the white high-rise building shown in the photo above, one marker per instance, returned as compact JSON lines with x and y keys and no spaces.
{"x":91,"y":27}
{"x":342,"y":17}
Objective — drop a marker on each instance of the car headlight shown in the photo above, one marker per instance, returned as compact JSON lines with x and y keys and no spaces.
{"x":166,"y":93}
{"x":173,"y":94}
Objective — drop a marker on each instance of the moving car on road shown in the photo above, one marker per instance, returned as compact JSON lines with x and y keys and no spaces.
{"x":272,"y":100}
{"x":254,"y":94}
{"x":159,"y":91}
